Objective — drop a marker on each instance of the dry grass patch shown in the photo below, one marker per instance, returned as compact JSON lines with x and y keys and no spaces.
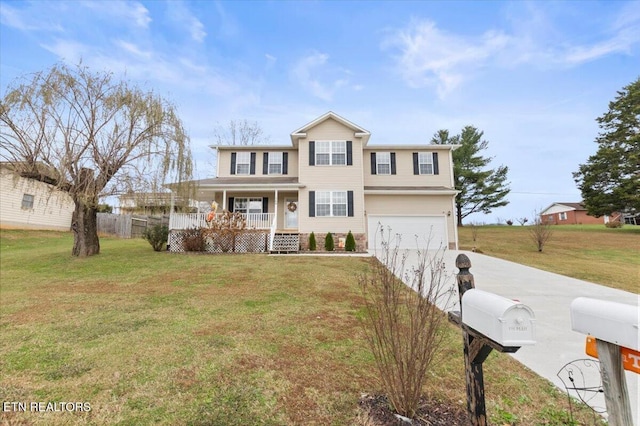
{"x":594,"y":253}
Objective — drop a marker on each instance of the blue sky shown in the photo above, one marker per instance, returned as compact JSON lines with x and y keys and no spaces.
{"x":533,"y":76}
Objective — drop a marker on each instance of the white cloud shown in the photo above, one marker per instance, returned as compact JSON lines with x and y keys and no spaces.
{"x":427,"y":56}
{"x":133,"y":49}
{"x":314,"y":73}
{"x":25,"y":20}
{"x":179,"y":13}
{"x":131,"y":11}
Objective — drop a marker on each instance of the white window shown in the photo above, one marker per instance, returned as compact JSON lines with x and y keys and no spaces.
{"x":275,"y":163}
{"x":425,"y":163}
{"x":247,"y":205}
{"x":331,"y":203}
{"x":243,"y":163}
{"x":562,"y":216}
{"x":27,"y":201}
{"x":331,"y":153}
{"x":383,"y":163}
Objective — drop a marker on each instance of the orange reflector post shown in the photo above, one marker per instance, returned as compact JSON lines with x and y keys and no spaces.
{"x":630,"y":358}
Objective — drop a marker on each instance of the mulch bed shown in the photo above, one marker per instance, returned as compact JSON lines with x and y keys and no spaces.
{"x":378,"y":412}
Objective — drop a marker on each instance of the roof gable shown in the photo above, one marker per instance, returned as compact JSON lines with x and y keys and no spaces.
{"x":302,"y":131}
{"x":563,"y":207}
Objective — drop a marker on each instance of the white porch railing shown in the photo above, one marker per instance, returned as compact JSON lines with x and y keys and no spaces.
{"x":198,"y":220}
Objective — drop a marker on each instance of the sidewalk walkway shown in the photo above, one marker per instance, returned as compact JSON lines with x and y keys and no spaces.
{"x":549,"y":295}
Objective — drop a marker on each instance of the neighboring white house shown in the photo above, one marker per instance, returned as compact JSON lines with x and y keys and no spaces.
{"x":31,"y":204}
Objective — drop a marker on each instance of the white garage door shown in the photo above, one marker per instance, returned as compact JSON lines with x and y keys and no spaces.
{"x":408,"y":232}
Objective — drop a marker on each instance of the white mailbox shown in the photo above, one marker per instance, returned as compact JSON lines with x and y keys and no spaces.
{"x":608,"y":321}
{"x":503,"y":320}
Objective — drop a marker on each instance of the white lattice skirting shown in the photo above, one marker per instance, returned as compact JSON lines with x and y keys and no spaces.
{"x":286,"y":242}
{"x":249,"y":242}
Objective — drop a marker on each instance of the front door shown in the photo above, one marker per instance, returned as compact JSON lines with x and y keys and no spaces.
{"x":291,"y":213}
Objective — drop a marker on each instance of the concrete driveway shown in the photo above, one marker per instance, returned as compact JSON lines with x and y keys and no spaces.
{"x":549,"y":295}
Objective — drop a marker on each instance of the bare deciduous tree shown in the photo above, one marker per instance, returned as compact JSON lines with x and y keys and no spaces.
{"x":92,"y":136}
{"x":540,"y":231}
{"x":404,"y":328}
{"x":239,"y":132}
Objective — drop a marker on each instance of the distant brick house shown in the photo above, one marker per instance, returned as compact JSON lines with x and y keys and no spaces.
{"x":573,"y":214}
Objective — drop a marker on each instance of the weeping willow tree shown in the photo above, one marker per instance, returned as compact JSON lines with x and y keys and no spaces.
{"x":91,"y":135}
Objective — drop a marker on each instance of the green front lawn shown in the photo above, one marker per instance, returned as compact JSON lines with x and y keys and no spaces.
{"x":150,"y":337}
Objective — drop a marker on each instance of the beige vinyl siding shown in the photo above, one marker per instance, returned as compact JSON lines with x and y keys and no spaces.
{"x":224,"y":161}
{"x":412,"y":205}
{"x":404,"y":169}
{"x":51,"y":209}
{"x":331,"y":178}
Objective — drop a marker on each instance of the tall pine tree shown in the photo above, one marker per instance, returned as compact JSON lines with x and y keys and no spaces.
{"x":610,"y":179}
{"x":481,"y":188}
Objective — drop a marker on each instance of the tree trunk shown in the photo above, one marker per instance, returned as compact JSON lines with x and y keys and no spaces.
{"x":85,"y":230}
{"x":459,"y":209}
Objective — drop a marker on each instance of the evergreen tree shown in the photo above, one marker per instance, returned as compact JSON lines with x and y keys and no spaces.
{"x":350,"y":244}
{"x":610,"y":179}
{"x":328,"y":242}
{"x":481,"y":189}
{"x":312,"y":242}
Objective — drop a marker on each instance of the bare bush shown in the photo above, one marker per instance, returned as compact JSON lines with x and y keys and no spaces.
{"x":540,"y":231}
{"x":193,"y":239}
{"x":404,"y":328}
{"x":474,"y":232}
{"x":224,"y":229}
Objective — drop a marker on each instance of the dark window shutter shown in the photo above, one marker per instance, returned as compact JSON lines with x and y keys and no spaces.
{"x":252,"y":169}
{"x":285,"y":163}
{"x":373,"y":163}
{"x":312,"y":153}
{"x":265,"y":204}
{"x":436,"y":169}
{"x":416,"y":169}
{"x":312,"y":203}
{"x":393,"y":163}
{"x":233,"y":163}
{"x":265,"y":163}
{"x":350,"y":203}
{"x":231,"y":200}
{"x":349,"y":153}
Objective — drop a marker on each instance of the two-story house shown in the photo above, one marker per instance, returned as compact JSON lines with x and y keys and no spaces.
{"x":330,"y":179}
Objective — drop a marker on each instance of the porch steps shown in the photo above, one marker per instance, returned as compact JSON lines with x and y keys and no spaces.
{"x":286,"y":242}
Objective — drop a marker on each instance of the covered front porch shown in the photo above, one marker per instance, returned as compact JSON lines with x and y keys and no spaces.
{"x":268,"y":204}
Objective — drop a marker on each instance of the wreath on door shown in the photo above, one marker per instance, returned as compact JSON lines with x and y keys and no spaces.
{"x":292,"y":207}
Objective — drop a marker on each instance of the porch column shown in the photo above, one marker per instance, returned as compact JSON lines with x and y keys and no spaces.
{"x":172,"y":204}
{"x":224,"y":199}
{"x":275,"y":208}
